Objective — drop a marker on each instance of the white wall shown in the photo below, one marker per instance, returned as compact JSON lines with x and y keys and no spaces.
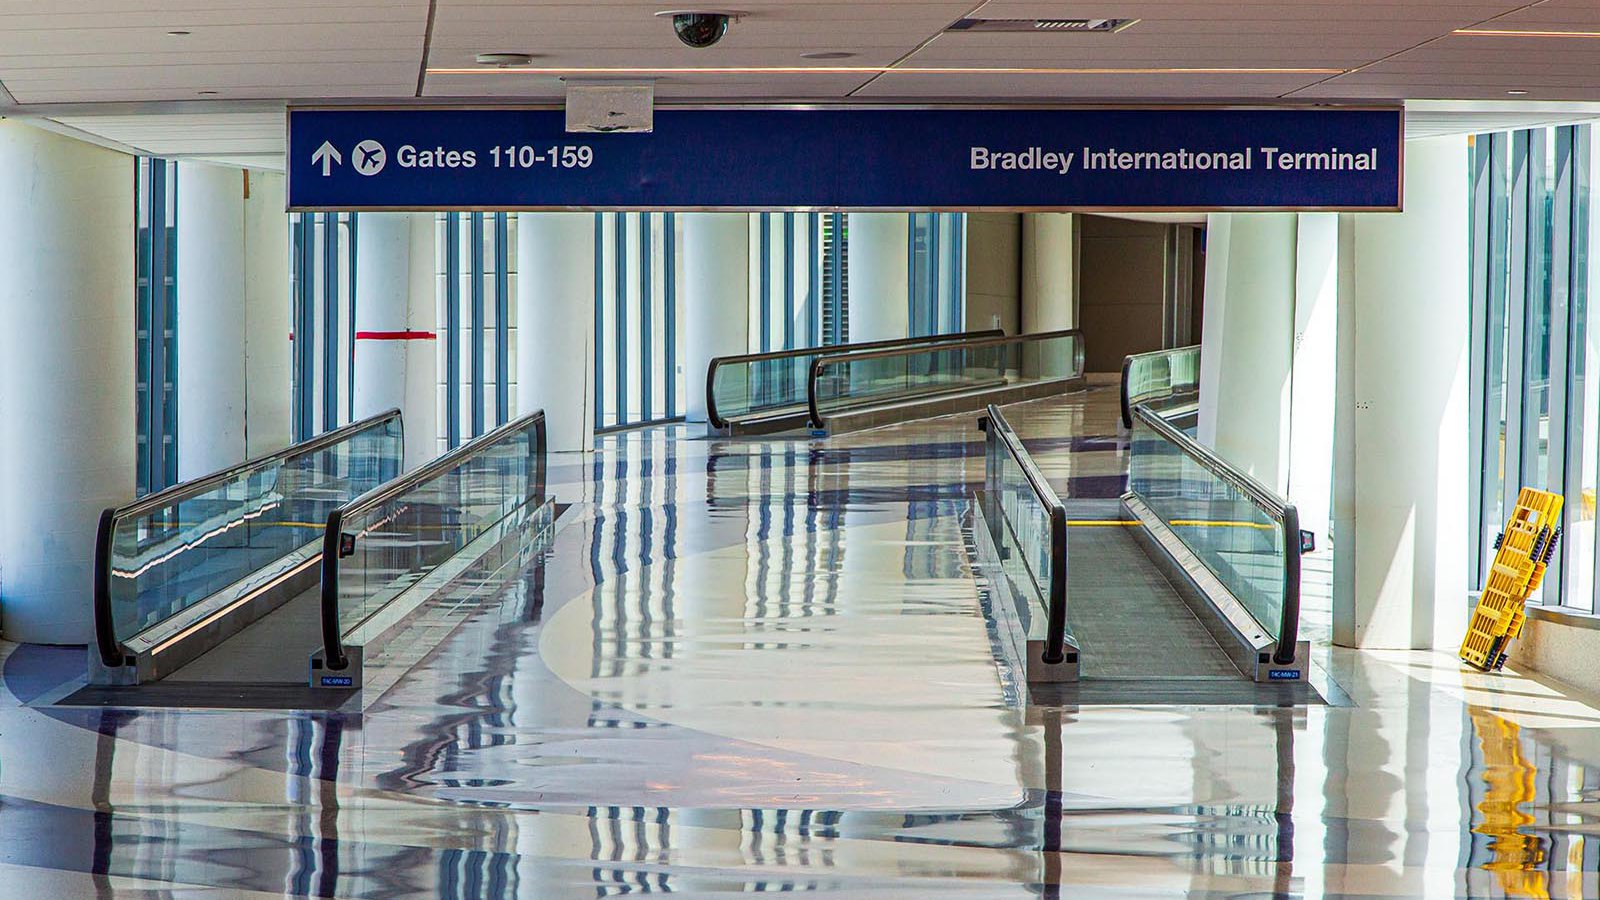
{"x":1400,"y":501}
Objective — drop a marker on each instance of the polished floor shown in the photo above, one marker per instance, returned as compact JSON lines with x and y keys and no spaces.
{"x":761,"y":665}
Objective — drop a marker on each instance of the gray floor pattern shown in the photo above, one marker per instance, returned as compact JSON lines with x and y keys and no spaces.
{"x":276,"y":648}
{"x":1129,"y":621}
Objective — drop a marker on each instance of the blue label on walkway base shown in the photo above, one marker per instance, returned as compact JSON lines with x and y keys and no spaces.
{"x":1284,"y":674}
{"x":338,"y":681}
{"x":1188,"y":158}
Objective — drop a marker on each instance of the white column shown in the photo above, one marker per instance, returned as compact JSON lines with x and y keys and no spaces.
{"x":266,"y":316}
{"x":1400,"y":461}
{"x":211,"y":319}
{"x":420,"y":408}
{"x":879,"y":284}
{"x":555,"y":325}
{"x":66,"y":373}
{"x":1050,"y":284}
{"x":716,"y":285}
{"x":1310,"y":477}
{"x":1049,"y":272}
{"x":383,"y":307}
{"x":1247,"y":334}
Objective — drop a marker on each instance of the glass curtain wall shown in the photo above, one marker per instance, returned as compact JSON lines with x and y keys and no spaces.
{"x":476,"y":270}
{"x":155,"y":316}
{"x":637,"y":311}
{"x":938,"y":273}
{"x":322,"y":290}
{"x":1535,"y":358}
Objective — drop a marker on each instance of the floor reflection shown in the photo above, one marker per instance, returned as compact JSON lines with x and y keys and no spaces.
{"x":761,"y":665}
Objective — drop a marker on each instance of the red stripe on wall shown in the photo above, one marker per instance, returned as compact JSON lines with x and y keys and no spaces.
{"x":395,"y":336}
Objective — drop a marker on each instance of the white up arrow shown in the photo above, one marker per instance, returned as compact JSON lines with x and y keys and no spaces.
{"x":328,"y":156}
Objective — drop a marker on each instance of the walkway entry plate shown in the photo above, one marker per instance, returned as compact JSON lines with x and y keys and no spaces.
{"x":1179,"y":158}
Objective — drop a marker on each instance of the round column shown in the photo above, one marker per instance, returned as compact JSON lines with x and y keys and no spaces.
{"x":66,"y":373}
{"x":1248,"y":340}
{"x":383,"y":306}
{"x":1050,"y":284}
{"x":555,"y":324}
{"x":880,"y":271}
{"x":716,"y":284}
{"x":211,"y":319}
{"x":268,"y":394}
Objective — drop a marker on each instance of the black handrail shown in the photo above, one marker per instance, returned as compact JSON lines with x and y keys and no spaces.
{"x":1263,"y":498}
{"x":334,"y":655}
{"x":822,"y":362}
{"x":112,"y":651}
{"x":994,"y":423}
{"x":1128,"y":401}
{"x":717,"y":421}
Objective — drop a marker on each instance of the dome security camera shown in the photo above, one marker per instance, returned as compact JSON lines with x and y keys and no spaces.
{"x":700,"y":28}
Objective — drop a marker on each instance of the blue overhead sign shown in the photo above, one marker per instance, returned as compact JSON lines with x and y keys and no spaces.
{"x":1151,"y":159}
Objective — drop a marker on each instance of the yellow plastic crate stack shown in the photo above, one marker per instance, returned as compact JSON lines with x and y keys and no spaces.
{"x":1523,"y":551}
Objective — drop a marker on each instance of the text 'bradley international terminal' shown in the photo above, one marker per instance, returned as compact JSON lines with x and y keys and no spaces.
{"x":1270,"y":158}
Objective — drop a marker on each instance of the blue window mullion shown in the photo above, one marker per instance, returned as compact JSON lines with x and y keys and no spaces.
{"x":669,"y":308}
{"x":619,"y":237}
{"x":765,"y":255}
{"x":350,"y":330}
{"x":475,"y":244}
{"x":330,"y":321}
{"x":452,"y":329}
{"x":788,"y":281}
{"x":502,"y":328}
{"x":646,"y":335}
{"x":814,"y":295}
{"x":160,"y":324}
{"x":599,"y":320}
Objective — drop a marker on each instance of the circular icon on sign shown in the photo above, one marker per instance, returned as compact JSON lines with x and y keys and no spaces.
{"x":370,"y":157}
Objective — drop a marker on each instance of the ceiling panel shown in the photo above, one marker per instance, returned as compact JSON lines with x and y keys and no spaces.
{"x":120,"y":50}
{"x":1475,"y":67}
{"x":1122,"y":87}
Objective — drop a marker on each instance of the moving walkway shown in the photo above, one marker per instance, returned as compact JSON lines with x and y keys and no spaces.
{"x":832,"y":390}
{"x":1193,"y":575}
{"x":292,"y":568}
{"x":761,"y":393}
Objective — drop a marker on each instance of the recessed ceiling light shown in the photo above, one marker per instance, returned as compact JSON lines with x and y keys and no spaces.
{"x":1531,"y":33}
{"x":827,"y":54}
{"x":177,"y":33}
{"x":580,"y":71}
{"x":502,"y":60}
{"x":1516,"y":93}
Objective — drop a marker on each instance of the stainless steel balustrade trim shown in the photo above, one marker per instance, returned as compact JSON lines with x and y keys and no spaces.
{"x":717,"y":421}
{"x":822,"y":362}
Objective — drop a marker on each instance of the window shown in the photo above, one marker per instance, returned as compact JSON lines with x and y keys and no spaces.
{"x":636,"y":313}
{"x":155,"y":315}
{"x":323,"y":290}
{"x":476,"y":268}
{"x":1535,"y":372}
{"x":938,"y":273}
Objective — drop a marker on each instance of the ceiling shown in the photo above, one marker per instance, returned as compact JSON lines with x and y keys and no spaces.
{"x":112,"y":70}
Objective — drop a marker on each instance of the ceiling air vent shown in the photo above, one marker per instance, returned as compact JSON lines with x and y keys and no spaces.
{"x":1098,"y":26}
